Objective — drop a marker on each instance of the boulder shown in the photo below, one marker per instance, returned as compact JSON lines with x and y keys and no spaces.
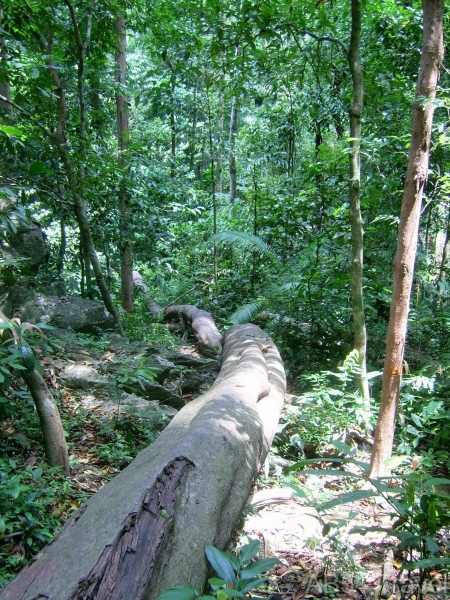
{"x":28,"y":242}
{"x":84,"y":377}
{"x":76,"y":313}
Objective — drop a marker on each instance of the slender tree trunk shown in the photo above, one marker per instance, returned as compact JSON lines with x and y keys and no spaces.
{"x":173,"y":138}
{"x":62,"y":245}
{"x":232,"y":152}
{"x":76,"y":182}
{"x":213,"y":189}
{"x":55,"y":445}
{"x":219,"y":180}
{"x":416,"y":175}
{"x":123,"y":143}
{"x":444,"y":255}
{"x":356,"y":221}
{"x":193,"y":140}
{"x":5,"y":89}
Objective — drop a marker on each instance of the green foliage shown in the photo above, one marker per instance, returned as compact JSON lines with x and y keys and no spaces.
{"x":243,"y":240}
{"x":128,"y":378}
{"x":418,"y":502}
{"x":17,"y":353}
{"x":327,"y":393}
{"x":32,"y":502}
{"x":237,"y":574}
{"x":122,"y":438}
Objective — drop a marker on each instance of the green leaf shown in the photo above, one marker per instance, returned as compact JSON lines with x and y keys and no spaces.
{"x":244,"y":240}
{"x":27,"y":356}
{"x":180,"y":592}
{"x":220,"y":563}
{"x":396,"y":461}
{"x":343,"y":447}
{"x":216,"y":583}
{"x":12,"y":131}
{"x":299,"y":491}
{"x":347,"y":498}
{"x":336,"y":472}
{"x":245,"y":585}
{"x":258,"y":567}
{"x":426,"y":563}
{"x":249,"y":551}
{"x":435,"y":481}
{"x":231,"y":593}
{"x":36,"y":167}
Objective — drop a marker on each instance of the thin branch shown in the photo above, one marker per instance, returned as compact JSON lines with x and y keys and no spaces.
{"x":318,"y":38}
{"x":22,"y":110}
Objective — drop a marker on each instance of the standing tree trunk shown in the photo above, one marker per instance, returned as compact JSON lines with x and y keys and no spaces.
{"x":55,"y":445}
{"x":219,"y":184}
{"x":5,"y":89}
{"x":123,"y":143}
{"x":232,"y":153}
{"x":62,"y":244}
{"x":416,"y":175}
{"x":359,"y":322}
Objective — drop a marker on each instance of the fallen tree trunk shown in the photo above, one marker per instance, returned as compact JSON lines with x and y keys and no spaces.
{"x":203,"y":326}
{"x":146,"y":530}
{"x":152,"y":306}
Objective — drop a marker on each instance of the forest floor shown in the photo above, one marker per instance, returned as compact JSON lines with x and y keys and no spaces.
{"x":346,"y":565}
{"x":340,"y":564}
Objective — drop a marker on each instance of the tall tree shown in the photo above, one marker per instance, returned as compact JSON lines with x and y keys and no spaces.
{"x":123,"y":143}
{"x":416,"y":176}
{"x":359,"y":322}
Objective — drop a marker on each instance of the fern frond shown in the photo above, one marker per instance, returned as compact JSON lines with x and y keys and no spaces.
{"x":244,"y":240}
{"x":246,"y":312}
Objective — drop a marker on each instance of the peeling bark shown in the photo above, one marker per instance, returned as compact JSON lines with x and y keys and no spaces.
{"x":203,"y":326}
{"x":146,"y":530}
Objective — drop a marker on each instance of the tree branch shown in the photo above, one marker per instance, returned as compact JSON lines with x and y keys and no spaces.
{"x":29,"y":115}
{"x":319,"y":38}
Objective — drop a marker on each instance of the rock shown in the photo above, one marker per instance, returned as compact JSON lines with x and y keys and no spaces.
{"x":155,"y":391}
{"x":76,"y":313}
{"x":133,"y":405}
{"x":195,"y":362}
{"x":85,"y":377}
{"x":28,"y":242}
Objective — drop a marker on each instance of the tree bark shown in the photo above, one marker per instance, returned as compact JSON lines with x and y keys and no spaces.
{"x":55,"y":445}
{"x":152,"y":306}
{"x":232,"y":152}
{"x":359,"y":322}
{"x":123,"y":138}
{"x":5,"y":89}
{"x":146,"y":530}
{"x":416,"y":175}
{"x":203,"y":326}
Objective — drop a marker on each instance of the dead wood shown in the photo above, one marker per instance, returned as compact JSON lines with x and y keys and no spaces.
{"x":146,"y":530}
{"x":202,"y":324}
{"x":153,"y":307}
